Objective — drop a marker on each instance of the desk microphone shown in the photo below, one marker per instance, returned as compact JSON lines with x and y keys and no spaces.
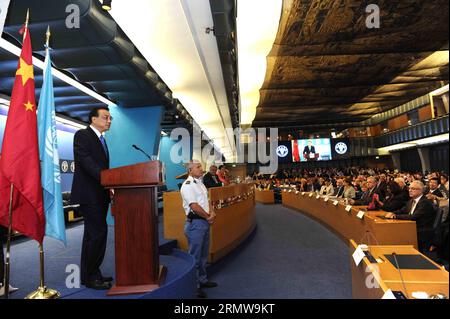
{"x":139,"y":149}
{"x":400,"y":273}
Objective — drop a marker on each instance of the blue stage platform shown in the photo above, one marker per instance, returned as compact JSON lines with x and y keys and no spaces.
{"x":60,"y":261}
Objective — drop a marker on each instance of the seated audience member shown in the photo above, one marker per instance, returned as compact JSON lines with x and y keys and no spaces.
{"x":394,"y":198}
{"x":223,"y":175}
{"x":435,"y":194}
{"x":367,"y":197}
{"x":339,"y":190}
{"x":303,"y":186}
{"x":349,"y":191}
{"x":381,"y":186}
{"x":315,"y":184}
{"x":363,"y":190}
{"x":211,"y":179}
{"x":420,"y":210}
{"x":403,"y":188}
{"x":327,"y":188}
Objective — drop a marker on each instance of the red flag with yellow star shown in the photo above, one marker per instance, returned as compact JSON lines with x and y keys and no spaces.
{"x":19,"y":164}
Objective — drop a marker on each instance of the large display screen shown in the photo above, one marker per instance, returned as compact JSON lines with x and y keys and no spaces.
{"x":318,"y":149}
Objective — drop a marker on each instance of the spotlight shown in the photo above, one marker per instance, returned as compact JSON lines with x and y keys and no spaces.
{"x":106,"y":5}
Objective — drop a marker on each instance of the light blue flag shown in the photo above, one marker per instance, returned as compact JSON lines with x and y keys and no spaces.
{"x":48,"y":155}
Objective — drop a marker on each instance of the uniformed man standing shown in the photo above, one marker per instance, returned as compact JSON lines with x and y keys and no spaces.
{"x":199,"y":219}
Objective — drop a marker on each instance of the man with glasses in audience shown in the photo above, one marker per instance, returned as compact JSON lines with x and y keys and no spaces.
{"x":91,"y":157}
{"x":420,"y":210}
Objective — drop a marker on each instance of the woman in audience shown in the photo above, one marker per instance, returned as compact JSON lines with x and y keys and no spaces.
{"x":327,"y":188}
{"x":349,"y":190}
{"x":222,"y":174}
{"x":394,"y":199}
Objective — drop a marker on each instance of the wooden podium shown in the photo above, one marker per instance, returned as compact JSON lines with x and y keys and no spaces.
{"x":135,"y":211}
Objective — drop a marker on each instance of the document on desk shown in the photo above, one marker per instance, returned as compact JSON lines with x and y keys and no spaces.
{"x":326,"y":199}
{"x":388,"y":295}
{"x":336,"y":202}
{"x":358,"y":255}
{"x":348,"y":208}
{"x":361,"y":214}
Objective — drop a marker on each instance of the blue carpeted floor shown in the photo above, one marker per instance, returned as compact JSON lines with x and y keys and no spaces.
{"x":289,"y":256}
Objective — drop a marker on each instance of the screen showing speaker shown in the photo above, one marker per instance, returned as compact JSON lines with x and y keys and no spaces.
{"x":305,"y":150}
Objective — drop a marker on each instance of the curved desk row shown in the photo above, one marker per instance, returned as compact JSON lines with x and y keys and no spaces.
{"x":235,"y":209}
{"x":383,"y":279}
{"x":353,"y":222}
{"x":265,"y":196}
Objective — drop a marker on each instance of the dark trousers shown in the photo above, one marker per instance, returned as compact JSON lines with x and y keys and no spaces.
{"x":2,"y":257}
{"x":94,"y":241}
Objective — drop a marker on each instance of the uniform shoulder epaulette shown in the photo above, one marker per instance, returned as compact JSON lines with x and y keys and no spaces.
{"x":187,"y":182}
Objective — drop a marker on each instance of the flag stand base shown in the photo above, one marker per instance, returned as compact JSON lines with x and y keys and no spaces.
{"x":44,"y":293}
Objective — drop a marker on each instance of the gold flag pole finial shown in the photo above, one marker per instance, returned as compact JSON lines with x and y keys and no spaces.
{"x":47,"y":37}
{"x":27,"y":18}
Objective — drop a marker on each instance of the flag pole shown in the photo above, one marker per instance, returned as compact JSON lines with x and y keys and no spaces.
{"x":8,"y":246}
{"x":43,"y":292}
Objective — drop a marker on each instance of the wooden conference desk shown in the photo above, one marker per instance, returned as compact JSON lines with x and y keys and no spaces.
{"x":368,"y":230}
{"x":235,"y":220}
{"x":372,"y":281}
{"x":265,"y":196}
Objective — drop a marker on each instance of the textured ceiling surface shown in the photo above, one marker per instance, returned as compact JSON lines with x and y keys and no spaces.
{"x":327,"y":67}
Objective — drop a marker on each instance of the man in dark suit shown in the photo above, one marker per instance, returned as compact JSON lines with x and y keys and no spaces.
{"x":404,"y":189}
{"x":434,"y":193}
{"x":367,"y":196}
{"x":91,"y":157}
{"x":420,"y":210}
{"x":381,"y":189}
{"x":210,"y":179}
{"x":339,"y":189}
{"x":309,"y":152}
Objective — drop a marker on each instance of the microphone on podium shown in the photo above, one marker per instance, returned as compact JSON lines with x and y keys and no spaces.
{"x":141,"y":150}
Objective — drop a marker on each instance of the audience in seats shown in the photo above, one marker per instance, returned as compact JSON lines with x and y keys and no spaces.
{"x":388,"y":190}
{"x":394,"y":199}
{"x":420,"y":210}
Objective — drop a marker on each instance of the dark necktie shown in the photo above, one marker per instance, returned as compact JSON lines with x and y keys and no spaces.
{"x":105,"y":148}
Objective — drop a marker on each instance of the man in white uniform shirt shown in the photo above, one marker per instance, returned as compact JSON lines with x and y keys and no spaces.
{"x":198,"y":220}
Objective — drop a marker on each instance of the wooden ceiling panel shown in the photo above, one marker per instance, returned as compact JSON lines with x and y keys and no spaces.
{"x":325,"y":60}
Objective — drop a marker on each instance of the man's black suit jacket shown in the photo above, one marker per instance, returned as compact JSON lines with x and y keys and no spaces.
{"x":307,"y":150}
{"x":90,"y":159}
{"x":209,"y":182}
{"x":367,"y":197}
{"x":424,"y":216}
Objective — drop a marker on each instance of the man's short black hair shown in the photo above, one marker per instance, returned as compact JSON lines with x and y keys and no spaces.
{"x":94,"y":112}
{"x":435,"y":179}
{"x":220,"y":167}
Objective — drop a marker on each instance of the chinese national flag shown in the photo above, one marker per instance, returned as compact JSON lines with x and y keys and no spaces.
{"x":19,"y":164}
{"x":295,"y":153}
